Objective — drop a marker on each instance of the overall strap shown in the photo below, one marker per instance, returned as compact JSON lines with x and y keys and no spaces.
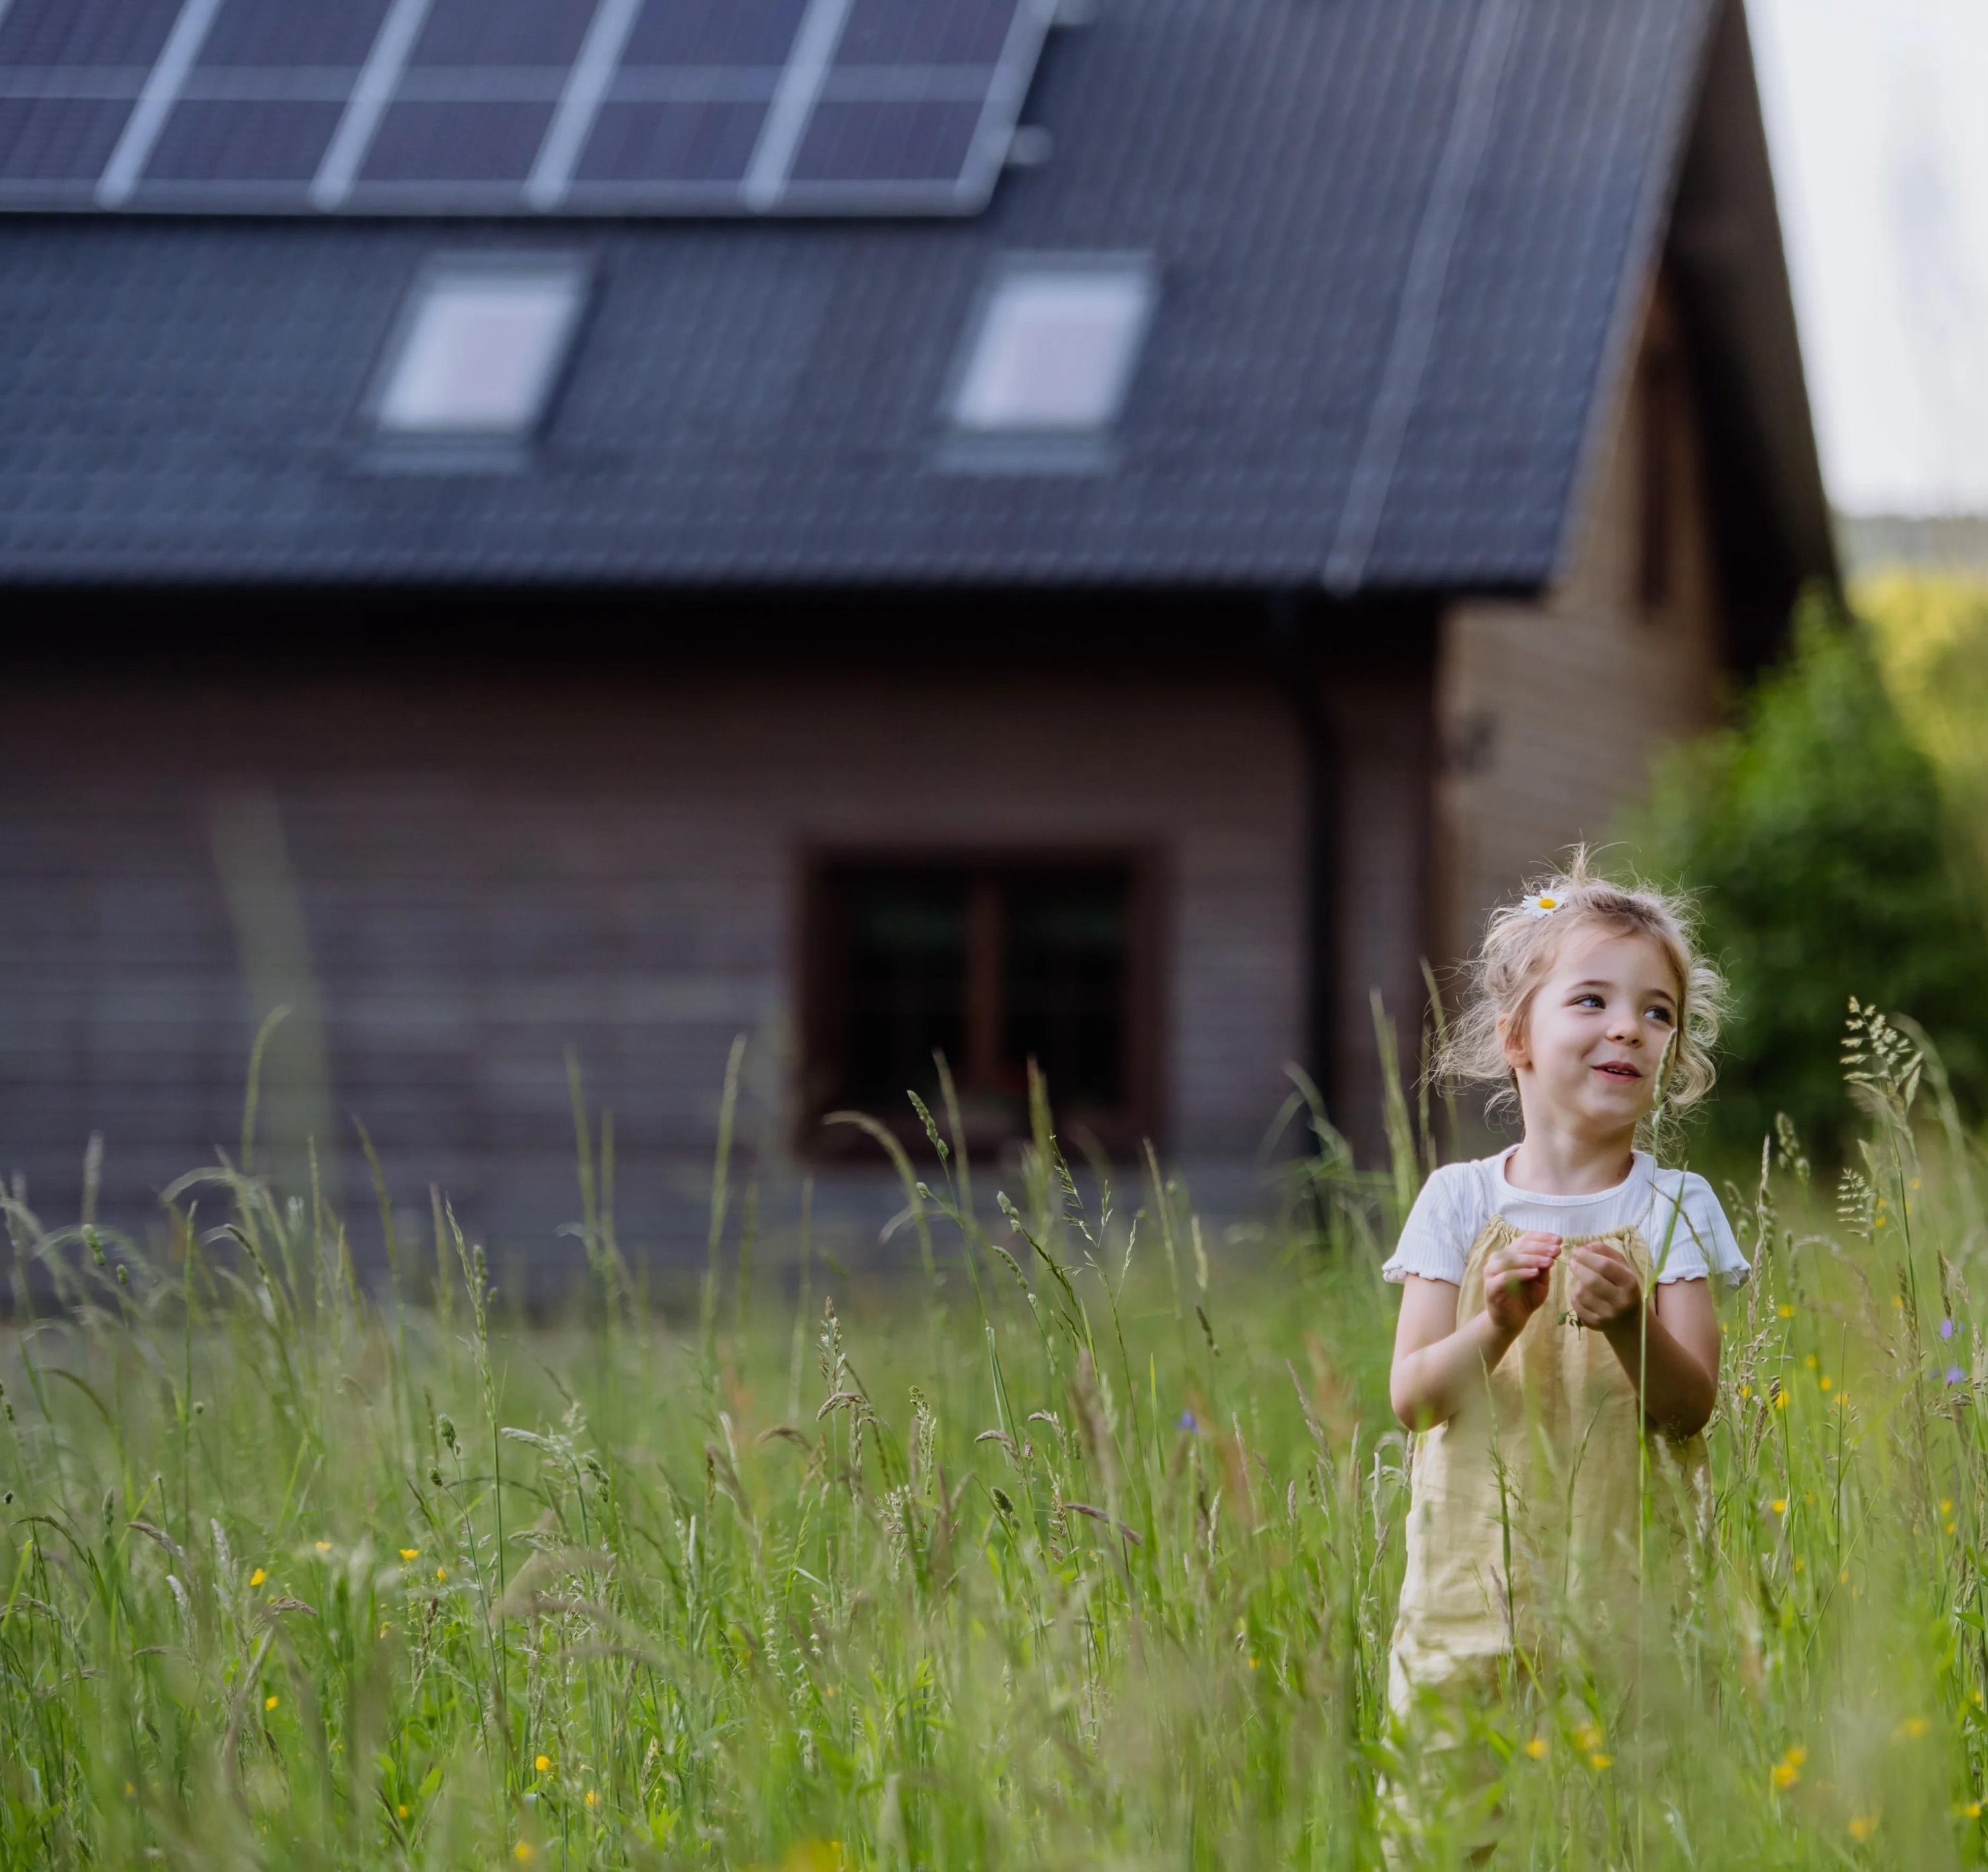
{"x":1492,"y":1236}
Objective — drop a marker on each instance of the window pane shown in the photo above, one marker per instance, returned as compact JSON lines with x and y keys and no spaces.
{"x":1065,"y":983}
{"x":481,"y":352}
{"x":907,"y":937}
{"x":1054,"y":349}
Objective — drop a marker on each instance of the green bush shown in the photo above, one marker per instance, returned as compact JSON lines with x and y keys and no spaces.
{"x":1816,"y":833}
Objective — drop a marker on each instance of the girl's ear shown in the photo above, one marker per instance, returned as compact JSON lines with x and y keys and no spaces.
{"x":1513,"y":1044}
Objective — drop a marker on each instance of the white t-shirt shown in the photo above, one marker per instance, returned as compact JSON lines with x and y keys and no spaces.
{"x":1460,"y":1198}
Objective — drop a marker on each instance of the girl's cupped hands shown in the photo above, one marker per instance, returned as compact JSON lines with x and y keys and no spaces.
{"x":1516,"y":1278}
{"x":1601,"y":1286}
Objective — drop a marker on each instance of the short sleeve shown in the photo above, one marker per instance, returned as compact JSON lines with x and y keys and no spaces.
{"x":1443,"y":1222}
{"x":1689,"y":1235}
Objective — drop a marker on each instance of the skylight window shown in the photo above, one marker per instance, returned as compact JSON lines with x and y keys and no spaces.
{"x":1052,"y":353}
{"x":481,"y":349}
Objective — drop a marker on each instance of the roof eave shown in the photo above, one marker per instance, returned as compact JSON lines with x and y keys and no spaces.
{"x":1711,"y":216}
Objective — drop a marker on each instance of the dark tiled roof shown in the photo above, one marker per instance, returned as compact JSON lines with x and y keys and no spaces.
{"x":1398,"y":243}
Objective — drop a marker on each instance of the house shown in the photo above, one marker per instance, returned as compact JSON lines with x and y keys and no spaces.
{"x":1104,"y":534}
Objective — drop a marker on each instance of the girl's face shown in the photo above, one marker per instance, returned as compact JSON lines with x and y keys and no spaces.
{"x":1594,"y":1038}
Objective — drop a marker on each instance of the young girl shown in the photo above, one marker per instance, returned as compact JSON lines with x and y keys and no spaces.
{"x":1556,"y":1292}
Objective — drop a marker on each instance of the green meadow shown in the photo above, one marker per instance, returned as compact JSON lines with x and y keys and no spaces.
{"x":1077,"y":1544}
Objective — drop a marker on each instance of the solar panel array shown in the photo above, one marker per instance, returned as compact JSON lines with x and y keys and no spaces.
{"x":507,"y":106}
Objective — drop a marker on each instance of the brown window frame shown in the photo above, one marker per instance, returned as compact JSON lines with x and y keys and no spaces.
{"x":821,"y":955}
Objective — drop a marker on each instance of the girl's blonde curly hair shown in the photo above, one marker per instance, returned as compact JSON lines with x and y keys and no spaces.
{"x":1522,"y":942}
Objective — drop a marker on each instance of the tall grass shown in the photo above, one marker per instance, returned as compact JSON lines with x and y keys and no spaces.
{"x":1077,"y":1546}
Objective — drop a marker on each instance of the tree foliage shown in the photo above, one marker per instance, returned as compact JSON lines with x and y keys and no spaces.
{"x":1816,"y":832}
{"x":1930,"y":632}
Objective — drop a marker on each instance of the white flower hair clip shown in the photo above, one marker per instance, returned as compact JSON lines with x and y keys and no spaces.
{"x":1543,"y":904}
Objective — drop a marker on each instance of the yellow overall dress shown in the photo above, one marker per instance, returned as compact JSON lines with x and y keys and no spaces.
{"x":1523,"y":1507}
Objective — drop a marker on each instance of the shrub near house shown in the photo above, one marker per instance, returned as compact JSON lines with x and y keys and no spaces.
{"x":1817,"y":832}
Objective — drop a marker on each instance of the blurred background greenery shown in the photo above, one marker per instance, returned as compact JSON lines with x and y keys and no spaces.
{"x":1837,"y":834}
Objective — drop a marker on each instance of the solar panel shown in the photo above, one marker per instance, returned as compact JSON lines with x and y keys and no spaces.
{"x":512,"y":107}
{"x":756,"y":33}
{"x":87,"y":35}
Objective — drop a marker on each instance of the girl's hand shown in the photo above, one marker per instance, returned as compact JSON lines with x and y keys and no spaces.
{"x":1515,"y":1279}
{"x":1601,"y":1286}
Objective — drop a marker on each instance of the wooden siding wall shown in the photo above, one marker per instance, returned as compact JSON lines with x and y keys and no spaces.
{"x":1550,"y":713}
{"x":450,"y":884}
{"x":1383,"y":737}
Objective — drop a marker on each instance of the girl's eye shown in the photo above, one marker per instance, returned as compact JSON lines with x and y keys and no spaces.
{"x":1660,"y":1013}
{"x":1587,"y":1001}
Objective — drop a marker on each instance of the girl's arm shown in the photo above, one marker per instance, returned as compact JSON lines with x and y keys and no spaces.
{"x":1677,"y":1367}
{"x":1436,"y":1361}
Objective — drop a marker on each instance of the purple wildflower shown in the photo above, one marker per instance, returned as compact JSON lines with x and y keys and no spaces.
{"x":1955,"y":1374}
{"x":1185,"y":1422}
{"x":1946,"y":1328}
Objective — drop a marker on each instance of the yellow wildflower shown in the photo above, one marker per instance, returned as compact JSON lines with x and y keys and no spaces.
{"x":523,"y":1851}
{"x":1810,"y":1361}
{"x":1746,"y":1390}
{"x":1778,"y":1505}
{"x":257,"y":1577}
{"x":402,"y":1809}
{"x":816,"y":1856}
{"x":1915,"y":1727}
{"x":1862,"y":1825}
{"x":1589,"y":1737}
{"x":1785,"y":1310}
{"x":414,"y":1553}
{"x":1598,"y":1761}
{"x":271,"y":1701}
{"x":543,"y":1764}
{"x":1781,"y":1400}
{"x":1537,"y":1747}
{"x":1828,"y":1382}
{"x":1784,"y":1774}
{"x":324,"y":1546}
{"x":130,"y":1789}
{"x":1972,"y":1811}
{"x":1796,"y":1756}
{"x":442,"y":1573}
{"x":592,"y":1799}
{"x":1946,"y":1505}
